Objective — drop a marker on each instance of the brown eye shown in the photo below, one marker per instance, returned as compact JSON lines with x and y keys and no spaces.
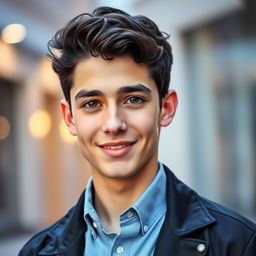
{"x":135,"y":100}
{"x":92,"y":104}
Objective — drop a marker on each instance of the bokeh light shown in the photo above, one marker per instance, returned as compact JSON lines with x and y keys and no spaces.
{"x":4,"y":127}
{"x":40,"y":124}
{"x":13,"y":33}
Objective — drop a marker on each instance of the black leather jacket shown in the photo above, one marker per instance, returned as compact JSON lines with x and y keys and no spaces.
{"x":193,"y":226}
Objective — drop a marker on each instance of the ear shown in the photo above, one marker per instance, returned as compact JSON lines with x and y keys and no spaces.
{"x":169,"y":106}
{"x":67,"y":116}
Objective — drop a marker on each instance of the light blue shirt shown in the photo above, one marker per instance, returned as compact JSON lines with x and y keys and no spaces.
{"x":139,"y":225}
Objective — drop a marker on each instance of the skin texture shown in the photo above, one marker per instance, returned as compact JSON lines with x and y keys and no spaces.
{"x":116,"y":117}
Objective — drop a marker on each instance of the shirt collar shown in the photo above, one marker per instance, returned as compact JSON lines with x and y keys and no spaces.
{"x":88,"y":201}
{"x":152,"y":202}
{"x":148,"y":207}
{"x":90,"y":215}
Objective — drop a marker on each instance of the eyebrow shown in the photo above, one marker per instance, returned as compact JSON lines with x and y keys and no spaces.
{"x":85,"y":93}
{"x":125,"y":89}
{"x":134,"y":88}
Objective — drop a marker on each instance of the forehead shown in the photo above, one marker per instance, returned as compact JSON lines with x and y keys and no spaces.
{"x":97,"y":73}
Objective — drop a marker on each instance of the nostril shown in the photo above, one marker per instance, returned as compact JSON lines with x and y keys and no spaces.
{"x":114,"y":126}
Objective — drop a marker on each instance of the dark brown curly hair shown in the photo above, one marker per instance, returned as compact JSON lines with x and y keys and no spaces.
{"x":110,"y":32}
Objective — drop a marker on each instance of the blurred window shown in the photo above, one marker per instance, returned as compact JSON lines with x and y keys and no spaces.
{"x":8,"y":180}
{"x":221,"y":68}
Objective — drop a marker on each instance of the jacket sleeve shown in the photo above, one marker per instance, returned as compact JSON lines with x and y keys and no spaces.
{"x":251,"y":247}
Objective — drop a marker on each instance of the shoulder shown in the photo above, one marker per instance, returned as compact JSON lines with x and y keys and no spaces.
{"x":231,"y":229}
{"x":56,"y":238}
{"x":227,"y":217}
{"x":223,"y":230}
{"x":205,"y":207}
{"x":43,"y":238}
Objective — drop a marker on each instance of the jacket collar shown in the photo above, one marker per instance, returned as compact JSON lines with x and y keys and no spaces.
{"x":185,"y":210}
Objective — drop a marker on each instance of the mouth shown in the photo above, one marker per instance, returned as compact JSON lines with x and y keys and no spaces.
{"x":116,"y":146}
{"x":117,"y":149}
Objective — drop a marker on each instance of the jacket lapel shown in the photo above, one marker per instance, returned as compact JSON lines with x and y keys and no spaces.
{"x":185,"y":215}
{"x":77,"y":246}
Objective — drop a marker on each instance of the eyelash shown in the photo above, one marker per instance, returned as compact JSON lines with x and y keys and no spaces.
{"x":138,"y":98}
{"x":87,"y":104}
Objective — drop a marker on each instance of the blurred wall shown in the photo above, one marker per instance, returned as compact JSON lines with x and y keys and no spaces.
{"x":221,"y":75}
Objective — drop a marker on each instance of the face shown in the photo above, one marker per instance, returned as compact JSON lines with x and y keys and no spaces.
{"x":116,"y":116}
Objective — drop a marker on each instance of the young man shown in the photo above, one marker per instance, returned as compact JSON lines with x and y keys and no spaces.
{"x":114,"y":71}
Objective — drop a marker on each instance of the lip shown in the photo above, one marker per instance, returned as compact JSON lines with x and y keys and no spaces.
{"x":117,"y":148}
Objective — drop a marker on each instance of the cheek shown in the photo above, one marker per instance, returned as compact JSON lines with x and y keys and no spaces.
{"x":147,"y":124}
{"x":86,"y":129}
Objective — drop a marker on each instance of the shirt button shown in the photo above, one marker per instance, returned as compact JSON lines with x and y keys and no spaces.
{"x":200,"y":248}
{"x":145,"y":228}
{"x":129,"y":214}
{"x":95,"y":225}
{"x":120,"y":250}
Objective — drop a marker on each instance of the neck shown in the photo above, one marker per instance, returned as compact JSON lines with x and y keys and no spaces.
{"x":114,"y":196}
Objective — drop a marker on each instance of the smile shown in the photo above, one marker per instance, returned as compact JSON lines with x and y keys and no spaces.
{"x":116,"y":149}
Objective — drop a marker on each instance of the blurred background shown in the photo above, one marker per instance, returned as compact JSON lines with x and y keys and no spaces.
{"x":211,"y":145}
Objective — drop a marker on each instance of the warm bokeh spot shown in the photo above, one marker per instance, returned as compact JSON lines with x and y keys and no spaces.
{"x":4,"y":127}
{"x":40,"y":124}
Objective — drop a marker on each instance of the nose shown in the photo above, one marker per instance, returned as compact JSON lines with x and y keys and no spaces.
{"x":114,"y":124}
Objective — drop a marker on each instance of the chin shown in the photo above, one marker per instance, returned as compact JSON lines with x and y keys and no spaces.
{"x":118,"y":175}
{"x":118,"y":172}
